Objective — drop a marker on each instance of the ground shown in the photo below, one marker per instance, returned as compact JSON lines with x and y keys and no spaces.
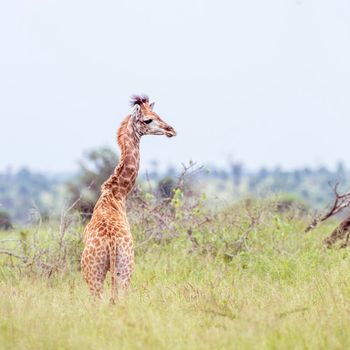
{"x":284,"y":291}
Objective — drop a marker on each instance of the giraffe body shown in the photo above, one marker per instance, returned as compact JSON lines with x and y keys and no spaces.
{"x":108,"y":243}
{"x":108,"y":246}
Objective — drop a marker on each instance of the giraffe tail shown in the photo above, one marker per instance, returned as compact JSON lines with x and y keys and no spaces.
{"x":113,"y":264}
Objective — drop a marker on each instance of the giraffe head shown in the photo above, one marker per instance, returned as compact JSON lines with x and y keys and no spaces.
{"x":146,"y":121}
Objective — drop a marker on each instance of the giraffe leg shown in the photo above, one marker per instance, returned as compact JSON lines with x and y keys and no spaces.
{"x":96,"y":288}
{"x":124,"y":265}
{"x":95,"y":264}
{"x":112,"y":261}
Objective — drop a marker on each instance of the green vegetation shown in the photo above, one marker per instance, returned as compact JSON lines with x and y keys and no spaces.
{"x":247,"y":277}
{"x":24,"y":195}
{"x":209,"y":275}
{"x":95,"y":167}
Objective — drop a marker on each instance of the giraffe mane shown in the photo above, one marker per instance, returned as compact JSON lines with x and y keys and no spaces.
{"x":122,"y":131}
{"x":138,"y":100}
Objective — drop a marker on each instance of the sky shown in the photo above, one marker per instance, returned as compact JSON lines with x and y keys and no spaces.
{"x":266,"y":83}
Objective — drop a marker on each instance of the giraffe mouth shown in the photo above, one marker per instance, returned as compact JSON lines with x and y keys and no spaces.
{"x":170,"y":133}
{"x":166,"y":133}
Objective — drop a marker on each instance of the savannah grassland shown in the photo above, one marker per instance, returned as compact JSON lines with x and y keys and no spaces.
{"x":276,"y":289}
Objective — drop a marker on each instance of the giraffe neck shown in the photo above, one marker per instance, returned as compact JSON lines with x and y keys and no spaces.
{"x":122,"y":181}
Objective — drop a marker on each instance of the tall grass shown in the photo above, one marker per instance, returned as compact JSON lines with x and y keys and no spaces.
{"x":279,"y":289}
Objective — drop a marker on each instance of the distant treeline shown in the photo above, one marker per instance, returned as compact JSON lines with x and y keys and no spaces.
{"x":24,"y":194}
{"x":313,"y":185}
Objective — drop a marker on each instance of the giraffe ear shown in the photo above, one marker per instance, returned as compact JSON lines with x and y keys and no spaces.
{"x":151,"y":105}
{"x":136,"y":110}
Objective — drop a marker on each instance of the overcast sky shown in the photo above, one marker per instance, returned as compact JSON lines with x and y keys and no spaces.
{"x":263,"y":82}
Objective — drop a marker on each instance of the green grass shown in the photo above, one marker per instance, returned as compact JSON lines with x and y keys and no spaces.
{"x":285,"y":291}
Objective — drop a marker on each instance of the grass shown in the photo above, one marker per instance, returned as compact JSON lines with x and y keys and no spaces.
{"x":285,"y":291}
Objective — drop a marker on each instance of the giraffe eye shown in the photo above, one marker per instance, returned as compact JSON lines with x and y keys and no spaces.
{"x":148,"y":121}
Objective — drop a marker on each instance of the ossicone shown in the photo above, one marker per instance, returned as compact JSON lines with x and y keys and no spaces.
{"x":138,"y":100}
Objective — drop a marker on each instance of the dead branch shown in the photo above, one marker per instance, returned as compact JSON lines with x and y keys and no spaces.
{"x":244,"y":238}
{"x":192,"y":238}
{"x":190,"y":235}
{"x":65,"y":222}
{"x":188,"y":171}
{"x":20,"y":257}
{"x":341,"y":202}
{"x":10,"y":240}
{"x":151,"y":236}
{"x":242,"y":242}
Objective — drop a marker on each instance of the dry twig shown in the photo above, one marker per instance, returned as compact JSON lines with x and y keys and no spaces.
{"x":341,"y":202}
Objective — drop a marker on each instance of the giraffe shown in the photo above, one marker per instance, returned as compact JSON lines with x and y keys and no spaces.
{"x":108,"y":243}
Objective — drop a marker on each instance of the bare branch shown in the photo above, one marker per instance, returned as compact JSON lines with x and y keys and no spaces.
{"x":6,"y":252}
{"x":341,"y":202}
{"x":10,"y":240}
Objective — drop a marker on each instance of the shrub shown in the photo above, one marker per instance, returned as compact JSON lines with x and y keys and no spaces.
{"x":5,"y":221}
{"x":95,"y":167}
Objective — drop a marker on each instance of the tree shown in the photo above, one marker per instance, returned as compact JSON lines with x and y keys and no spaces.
{"x":95,"y":167}
{"x":166,"y":187}
{"x":5,"y":221}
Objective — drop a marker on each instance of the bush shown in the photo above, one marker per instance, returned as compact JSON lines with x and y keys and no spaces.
{"x":5,"y":221}
{"x":166,"y":187}
{"x":95,"y":167}
{"x":179,"y":219}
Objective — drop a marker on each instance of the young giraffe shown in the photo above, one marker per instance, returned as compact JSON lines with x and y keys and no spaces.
{"x":107,"y":238}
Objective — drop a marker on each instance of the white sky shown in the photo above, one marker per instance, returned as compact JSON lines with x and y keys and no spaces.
{"x":263,"y":82}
